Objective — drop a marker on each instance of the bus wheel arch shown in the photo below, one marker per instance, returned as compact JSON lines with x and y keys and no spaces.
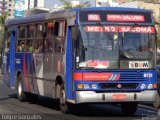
{"x":61,"y":95}
{"x":18,"y":77}
{"x":58,"y":83}
{"x":156,"y":104}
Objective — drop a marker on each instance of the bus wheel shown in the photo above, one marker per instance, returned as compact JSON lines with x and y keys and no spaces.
{"x":64,"y":106}
{"x":129,"y":108}
{"x":156,"y":103}
{"x":21,"y":94}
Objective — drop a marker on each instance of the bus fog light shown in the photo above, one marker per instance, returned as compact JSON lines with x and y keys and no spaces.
{"x":86,"y":86}
{"x":150,"y":86}
{"x":94,"y":86}
{"x":143,"y":86}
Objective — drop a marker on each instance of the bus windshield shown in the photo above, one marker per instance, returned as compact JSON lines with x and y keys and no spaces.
{"x":137,"y":46}
{"x":106,"y":47}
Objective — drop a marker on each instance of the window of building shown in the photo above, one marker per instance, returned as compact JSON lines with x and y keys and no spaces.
{"x":59,"y":36}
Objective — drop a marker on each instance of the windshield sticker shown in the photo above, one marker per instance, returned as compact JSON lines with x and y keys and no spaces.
{"x":93,"y":17}
{"x":138,"y":64}
{"x":97,"y":64}
{"x":132,"y":18}
{"x":101,"y":29}
{"x":136,"y":29}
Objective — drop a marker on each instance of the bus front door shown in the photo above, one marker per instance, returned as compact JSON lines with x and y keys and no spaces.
{"x":9,"y":59}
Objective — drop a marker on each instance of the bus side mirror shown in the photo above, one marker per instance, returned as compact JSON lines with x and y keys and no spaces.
{"x":74,"y":33}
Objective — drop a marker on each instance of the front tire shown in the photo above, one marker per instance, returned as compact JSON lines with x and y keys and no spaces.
{"x":156,"y":103}
{"x":65,"y":107}
{"x":129,"y":108}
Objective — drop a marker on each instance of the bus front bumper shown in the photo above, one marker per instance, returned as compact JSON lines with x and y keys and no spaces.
{"x":93,"y":97}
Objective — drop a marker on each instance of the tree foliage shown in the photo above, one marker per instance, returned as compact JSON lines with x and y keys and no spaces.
{"x":67,"y":4}
{"x":3,"y":18}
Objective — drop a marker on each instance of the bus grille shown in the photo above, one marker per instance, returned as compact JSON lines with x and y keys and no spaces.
{"x":132,"y":76}
{"x":118,"y":85}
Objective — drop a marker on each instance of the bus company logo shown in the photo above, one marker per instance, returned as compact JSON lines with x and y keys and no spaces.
{"x":119,"y":86}
{"x":93,"y":17}
{"x":138,"y":64}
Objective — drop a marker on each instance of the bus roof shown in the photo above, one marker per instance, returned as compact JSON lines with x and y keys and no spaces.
{"x":66,"y":14}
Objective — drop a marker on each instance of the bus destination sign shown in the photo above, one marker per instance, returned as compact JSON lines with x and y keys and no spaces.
{"x":135,"y":18}
{"x":114,"y":17}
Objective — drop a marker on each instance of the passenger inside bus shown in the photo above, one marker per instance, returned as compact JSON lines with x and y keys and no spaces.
{"x":21,"y":47}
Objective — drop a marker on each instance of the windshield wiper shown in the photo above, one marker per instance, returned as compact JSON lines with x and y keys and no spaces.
{"x":123,"y":37}
{"x":110,"y":37}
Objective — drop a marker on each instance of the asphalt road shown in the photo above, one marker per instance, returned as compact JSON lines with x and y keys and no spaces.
{"x":47,"y":109}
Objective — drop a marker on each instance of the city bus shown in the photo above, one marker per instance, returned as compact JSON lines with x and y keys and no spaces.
{"x":87,"y":55}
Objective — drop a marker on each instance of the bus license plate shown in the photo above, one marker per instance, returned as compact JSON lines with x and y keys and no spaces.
{"x":119,"y":97}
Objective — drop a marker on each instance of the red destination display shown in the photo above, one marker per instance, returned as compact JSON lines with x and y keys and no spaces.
{"x":120,"y":29}
{"x":136,"y":29}
{"x":93,"y":17}
{"x":101,"y":29}
{"x":125,"y":18}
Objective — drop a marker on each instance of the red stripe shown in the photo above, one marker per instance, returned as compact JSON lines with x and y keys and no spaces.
{"x":117,"y":78}
{"x":92,"y":76}
{"x":25,"y":74}
{"x":77,"y":76}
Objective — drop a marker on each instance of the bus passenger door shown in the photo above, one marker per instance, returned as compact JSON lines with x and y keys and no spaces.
{"x":12,"y":58}
{"x":8,"y":67}
{"x":48,"y":61}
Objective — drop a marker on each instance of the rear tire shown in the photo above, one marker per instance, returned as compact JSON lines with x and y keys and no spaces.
{"x":156,"y":103}
{"x":21,"y":94}
{"x":129,"y":108}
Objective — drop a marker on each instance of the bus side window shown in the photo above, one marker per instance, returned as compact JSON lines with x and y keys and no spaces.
{"x":48,"y":44}
{"x":59,"y":35}
{"x":7,"y":40}
{"x":30,"y":38}
{"x":21,"y":39}
{"x":38,"y":46}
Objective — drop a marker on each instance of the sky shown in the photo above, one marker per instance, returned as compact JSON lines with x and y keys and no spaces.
{"x":50,"y":3}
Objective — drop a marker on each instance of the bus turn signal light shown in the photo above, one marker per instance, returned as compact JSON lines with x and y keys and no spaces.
{"x":155,"y":86}
{"x":79,"y":86}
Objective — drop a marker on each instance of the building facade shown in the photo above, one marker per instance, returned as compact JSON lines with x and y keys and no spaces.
{"x":3,"y":6}
{"x":13,"y":8}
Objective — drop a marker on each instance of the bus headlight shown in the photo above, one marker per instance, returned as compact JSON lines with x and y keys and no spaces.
{"x":150,"y":86}
{"x":94,"y":86}
{"x":143,"y":86}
